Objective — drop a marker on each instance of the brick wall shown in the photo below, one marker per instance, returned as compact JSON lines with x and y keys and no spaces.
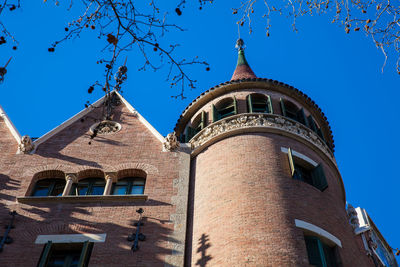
{"x":68,"y":151}
{"x":246,"y":203}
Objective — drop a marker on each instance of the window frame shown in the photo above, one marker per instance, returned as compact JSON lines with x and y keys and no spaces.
{"x":91,"y":183}
{"x":251,"y":98}
{"x":130,"y":184}
{"x":50,"y":247}
{"x":322,"y":256}
{"x":222,"y":106}
{"x":316,"y":171}
{"x":51,"y":187}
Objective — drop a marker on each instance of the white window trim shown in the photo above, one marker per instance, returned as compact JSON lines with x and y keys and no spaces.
{"x":317,"y":230}
{"x":73,"y":238}
{"x":301,"y":156}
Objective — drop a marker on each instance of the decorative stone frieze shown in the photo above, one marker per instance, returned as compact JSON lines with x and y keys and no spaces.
{"x":265,"y":121}
{"x":26,"y":146}
{"x":171,"y":142}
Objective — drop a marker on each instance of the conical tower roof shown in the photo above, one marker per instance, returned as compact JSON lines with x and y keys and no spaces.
{"x":243,"y":70}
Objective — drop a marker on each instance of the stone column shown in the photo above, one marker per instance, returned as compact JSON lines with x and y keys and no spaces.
{"x":110,"y":178}
{"x":71,"y":178}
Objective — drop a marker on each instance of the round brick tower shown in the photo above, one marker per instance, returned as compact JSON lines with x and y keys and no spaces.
{"x":265,"y":189}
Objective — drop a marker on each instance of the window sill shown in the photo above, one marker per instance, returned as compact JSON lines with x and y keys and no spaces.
{"x":79,"y":199}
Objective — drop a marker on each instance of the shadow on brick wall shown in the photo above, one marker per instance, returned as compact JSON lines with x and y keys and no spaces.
{"x":8,"y":184}
{"x":203,"y":245}
{"x":116,"y":220}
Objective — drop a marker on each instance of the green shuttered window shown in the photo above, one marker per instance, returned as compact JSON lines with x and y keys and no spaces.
{"x":66,"y":255}
{"x":226,"y":109}
{"x":198,"y":124}
{"x":291,"y":111}
{"x":320,"y":254}
{"x":258,"y":103}
{"x":314,"y":176}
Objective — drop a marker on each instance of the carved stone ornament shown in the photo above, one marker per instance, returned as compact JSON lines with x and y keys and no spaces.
{"x":272,"y":121}
{"x":171,"y":142}
{"x":26,"y":146}
{"x":105,"y":127}
{"x":353,"y":218}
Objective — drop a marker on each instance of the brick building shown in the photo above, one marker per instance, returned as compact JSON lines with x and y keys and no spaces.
{"x":247,"y":178}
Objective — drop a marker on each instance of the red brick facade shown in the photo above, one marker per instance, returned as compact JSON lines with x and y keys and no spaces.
{"x":133,"y":148}
{"x":227,"y":198}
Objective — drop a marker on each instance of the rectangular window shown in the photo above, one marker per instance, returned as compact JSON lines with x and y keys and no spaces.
{"x":313,"y":175}
{"x":320,"y":254}
{"x":66,"y":254}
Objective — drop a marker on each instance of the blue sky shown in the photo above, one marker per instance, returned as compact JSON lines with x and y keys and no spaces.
{"x":340,"y":72}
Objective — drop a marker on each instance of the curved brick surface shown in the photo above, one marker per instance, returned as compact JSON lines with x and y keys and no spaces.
{"x":245,"y":204}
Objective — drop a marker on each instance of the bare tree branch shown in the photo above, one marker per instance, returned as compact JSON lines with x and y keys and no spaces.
{"x":126,"y":26}
{"x":378,"y":19}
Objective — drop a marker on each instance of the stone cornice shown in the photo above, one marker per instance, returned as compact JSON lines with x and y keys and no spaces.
{"x":250,"y":122}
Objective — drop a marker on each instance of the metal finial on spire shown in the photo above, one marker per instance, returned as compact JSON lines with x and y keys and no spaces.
{"x":240,"y":44}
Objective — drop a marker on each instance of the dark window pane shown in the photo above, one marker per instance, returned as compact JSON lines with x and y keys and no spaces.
{"x":137,"y":190}
{"x":41,"y":192}
{"x":82,"y":190}
{"x":302,"y":174}
{"x":260,"y":105}
{"x":330,"y":256}
{"x":49,"y":187}
{"x":74,"y":191}
{"x":120,"y":190}
{"x":225,"y":112}
{"x":57,"y":189}
{"x":97,"y":190}
{"x":64,"y":258}
{"x":75,"y":261}
{"x":138,"y":181}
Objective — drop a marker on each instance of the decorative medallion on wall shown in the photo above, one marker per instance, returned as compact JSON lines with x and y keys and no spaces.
{"x":105,"y":127}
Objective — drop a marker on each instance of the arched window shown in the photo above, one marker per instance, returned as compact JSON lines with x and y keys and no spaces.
{"x":49,"y":187}
{"x":291,"y":111}
{"x":198,"y":124}
{"x":89,"y":186}
{"x":258,"y":103}
{"x":129,"y":186}
{"x":225,"y":108}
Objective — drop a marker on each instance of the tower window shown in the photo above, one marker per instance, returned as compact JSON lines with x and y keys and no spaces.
{"x":258,"y":103}
{"x":90,"y":186}
{"x":198,"y":124}
{"x":306,"y":172}
{"x":129,"y":186}
{"x":291,"y":111}
{"x":225,"y":108}
{"x":65,"y":254}
{"x":320,"y":254}
{"x":49,"y":187}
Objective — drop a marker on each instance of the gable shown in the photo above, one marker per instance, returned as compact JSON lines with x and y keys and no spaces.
{"x":9,"y":136}
{"x":93,"y":115}
{"x":72,"y":140}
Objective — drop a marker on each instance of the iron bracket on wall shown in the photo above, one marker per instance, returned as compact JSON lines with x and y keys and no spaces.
{"x":137,"y":236}
{"x":6,"y":239}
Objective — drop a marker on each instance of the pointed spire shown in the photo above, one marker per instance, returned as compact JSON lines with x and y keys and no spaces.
{"x":243,"y":69}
